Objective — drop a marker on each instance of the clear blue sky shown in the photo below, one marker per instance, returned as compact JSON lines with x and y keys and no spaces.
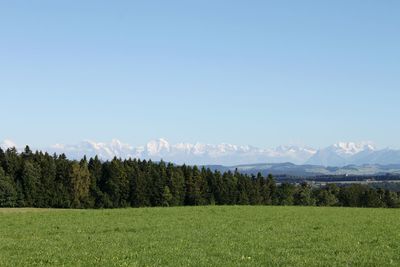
{"x":247,"y":72}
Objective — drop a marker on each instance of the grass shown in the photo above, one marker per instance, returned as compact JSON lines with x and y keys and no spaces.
{"x":201,"y":236}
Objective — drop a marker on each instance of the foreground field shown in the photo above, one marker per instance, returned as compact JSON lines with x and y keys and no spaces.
{"x":201,"y":236}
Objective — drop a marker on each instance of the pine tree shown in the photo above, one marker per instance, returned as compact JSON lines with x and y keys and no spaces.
{"x":116,"y":184}
{"x":255,"y":189}
{"x":27,"y":154}
{"x":202,"y":185}
{"x":12,"y":164}
{"x":62,"y":196}
{"x":217,"y":188}
{"x":167,"y":197}
{"x":8,"y":192}
{"x":158,"y":175}
{"x":80,"y":184}
{"x":190,"y":186}
{"x":176,"y":183}
{"x":139,"y":189}
{"x":2,"y":159}
{"x":95,"y":194}
{"x":30,"y":183}
{"x":46,"y":194}
{"x":228,"y":189}
{"x":268,"y":190}
{"x":243,"y":189}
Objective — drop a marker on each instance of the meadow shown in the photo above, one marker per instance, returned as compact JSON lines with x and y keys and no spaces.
{"x":201,"y":236}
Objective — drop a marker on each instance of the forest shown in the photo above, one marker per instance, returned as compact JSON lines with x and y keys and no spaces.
{"x":38,"y":179}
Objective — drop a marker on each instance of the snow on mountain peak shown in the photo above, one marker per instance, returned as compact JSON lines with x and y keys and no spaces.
{"x":351,"y":148}
{"x":155,"y":147}
{"x":7,"y":144}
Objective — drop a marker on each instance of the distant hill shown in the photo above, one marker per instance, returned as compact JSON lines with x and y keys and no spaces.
{"x":291,"y":169}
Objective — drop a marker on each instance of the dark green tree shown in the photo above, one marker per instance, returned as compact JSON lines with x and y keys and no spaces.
{"x":351,"y":196}
{"x":8,"y":192}
{"x":46,"y":194}
{"x":244,"y":188}
{"x":96,"y":196}
{"x":167,"y":197}
{"x":372,"y":198}
{"x":80,"y":184}
{"x":391,"y":199}
{"x":116,"y":183}
{"x":139,"y":185}
{"x":62,"y":196}
{"x":31,"y":183}
{"x":285,"y":194}
{"x":304,"y":196}
{"x":176,"y":184}
{"x":325,"y":197}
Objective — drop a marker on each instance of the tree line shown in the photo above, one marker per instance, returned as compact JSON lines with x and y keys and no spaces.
{"x":37,"y":179}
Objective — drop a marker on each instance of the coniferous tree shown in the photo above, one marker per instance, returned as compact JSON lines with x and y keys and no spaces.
{"x":255,"y":190}
{"x":268,"y":190}
{"x":13,"y":162}
{"x":176,"y":184}
{"x":190,"y":186}
{"x":167,"y":197}
{"x":201,"y":184}
{"x":95,"y":168}
{"x":46,"y":190}
{"x":27,"y":154}
{"x":2,"y":159}
{"x":158,"y":174}
{"x":196,"y":187}
{"x":116,"y":184}
{"x":139,"y":185}
{"x":243,"y":189}
{"x":8,"y":192}
{"x":217,"y":187}
{"x":229,"y":188}
{"x":80,"y":184}
{"x":62,"y":193}
{"x":30,"y":183}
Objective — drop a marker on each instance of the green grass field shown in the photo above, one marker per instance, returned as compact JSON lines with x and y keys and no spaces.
{"x":201,"y":236}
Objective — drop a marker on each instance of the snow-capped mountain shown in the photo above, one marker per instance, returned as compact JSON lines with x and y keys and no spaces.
{"x":222,"y":153}
{"x":90,"y":148}
{"x":340,"y":154}
{"x":350,"y":149}
{"x":7,"y":144}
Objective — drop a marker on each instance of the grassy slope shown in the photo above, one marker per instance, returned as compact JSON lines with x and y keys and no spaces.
{"x":201,"y":236}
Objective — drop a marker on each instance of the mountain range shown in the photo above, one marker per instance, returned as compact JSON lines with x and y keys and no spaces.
{"x":338,"y":155}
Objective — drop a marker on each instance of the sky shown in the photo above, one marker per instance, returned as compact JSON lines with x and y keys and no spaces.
{"x":263,"y":73}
